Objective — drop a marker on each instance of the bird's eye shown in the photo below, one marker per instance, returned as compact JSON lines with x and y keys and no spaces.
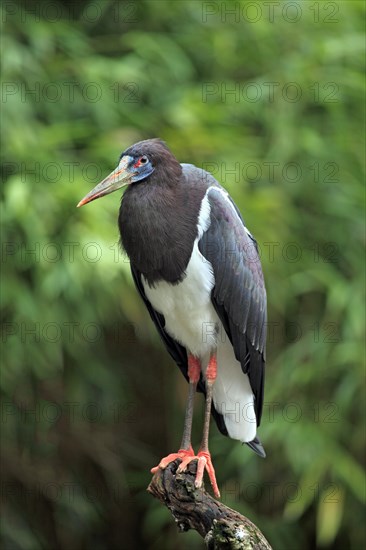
{"x":140,"y":162}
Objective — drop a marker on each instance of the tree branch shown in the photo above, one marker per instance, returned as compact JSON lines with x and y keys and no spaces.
{"x":219,"y":525}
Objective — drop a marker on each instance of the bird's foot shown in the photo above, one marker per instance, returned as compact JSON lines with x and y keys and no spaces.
{"x":204,"y":462}
{"x":183,"y":454}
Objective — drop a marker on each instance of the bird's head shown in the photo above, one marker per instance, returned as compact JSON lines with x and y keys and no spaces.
{"x":136,"y":164}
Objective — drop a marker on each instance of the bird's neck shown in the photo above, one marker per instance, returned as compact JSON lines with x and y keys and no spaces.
{"x":158,"y":227}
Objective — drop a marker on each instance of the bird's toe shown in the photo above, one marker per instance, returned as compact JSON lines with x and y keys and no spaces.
{"x":205,"y":463}
{"x":185,"y":455}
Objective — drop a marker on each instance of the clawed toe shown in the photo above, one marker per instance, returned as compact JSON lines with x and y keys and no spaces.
{"x":204,"y":462}
{"x":182,"y":454}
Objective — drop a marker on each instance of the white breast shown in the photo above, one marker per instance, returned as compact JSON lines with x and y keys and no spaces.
{"x":189,"y":315}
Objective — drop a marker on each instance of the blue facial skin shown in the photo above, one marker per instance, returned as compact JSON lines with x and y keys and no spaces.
{"x":140,"y":172}
{"x":143,"y":171}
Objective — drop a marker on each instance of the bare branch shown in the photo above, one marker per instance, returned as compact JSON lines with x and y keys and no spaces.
{"x":219,"y":525}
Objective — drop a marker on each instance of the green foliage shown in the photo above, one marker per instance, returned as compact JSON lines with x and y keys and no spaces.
{"x":91,"y":400}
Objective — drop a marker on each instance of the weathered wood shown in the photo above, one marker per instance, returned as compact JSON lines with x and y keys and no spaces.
{"x":220,"y":526}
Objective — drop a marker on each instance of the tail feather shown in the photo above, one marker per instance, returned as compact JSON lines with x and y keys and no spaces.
{"x":257,"y":446}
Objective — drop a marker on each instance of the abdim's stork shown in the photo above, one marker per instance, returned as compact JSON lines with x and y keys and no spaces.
{"x":197,"y":269}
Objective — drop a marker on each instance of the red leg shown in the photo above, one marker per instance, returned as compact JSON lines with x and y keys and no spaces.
{"x":194,"y":369}
{"x":194,"y":373}
{"x":204,"y":458}
{"x":204,"y":461}
{"x":185,"y":451}
{"x":211,"y":371}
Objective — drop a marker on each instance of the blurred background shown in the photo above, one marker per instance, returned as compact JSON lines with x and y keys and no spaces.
{"x":269,"y":98}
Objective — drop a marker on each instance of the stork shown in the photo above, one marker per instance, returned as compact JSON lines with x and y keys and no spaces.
{"x":197,"y":269}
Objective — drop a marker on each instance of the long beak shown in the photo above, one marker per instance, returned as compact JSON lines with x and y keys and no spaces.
{"x":117,"y":179}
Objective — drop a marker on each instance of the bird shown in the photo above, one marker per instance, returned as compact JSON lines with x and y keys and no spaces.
{"x":197,"y":269}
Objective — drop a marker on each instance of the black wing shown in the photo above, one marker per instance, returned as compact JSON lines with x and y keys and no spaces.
{"x":176,"y":350}
{"x":239,"y":295}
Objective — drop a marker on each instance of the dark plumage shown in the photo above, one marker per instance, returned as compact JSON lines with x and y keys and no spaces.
{"x":156,"y":244}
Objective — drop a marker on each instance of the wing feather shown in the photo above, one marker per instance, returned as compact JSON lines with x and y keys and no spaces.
{"x":239,"y":294}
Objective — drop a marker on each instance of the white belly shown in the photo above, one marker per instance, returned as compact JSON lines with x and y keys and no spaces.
{"x":189,"y":315}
